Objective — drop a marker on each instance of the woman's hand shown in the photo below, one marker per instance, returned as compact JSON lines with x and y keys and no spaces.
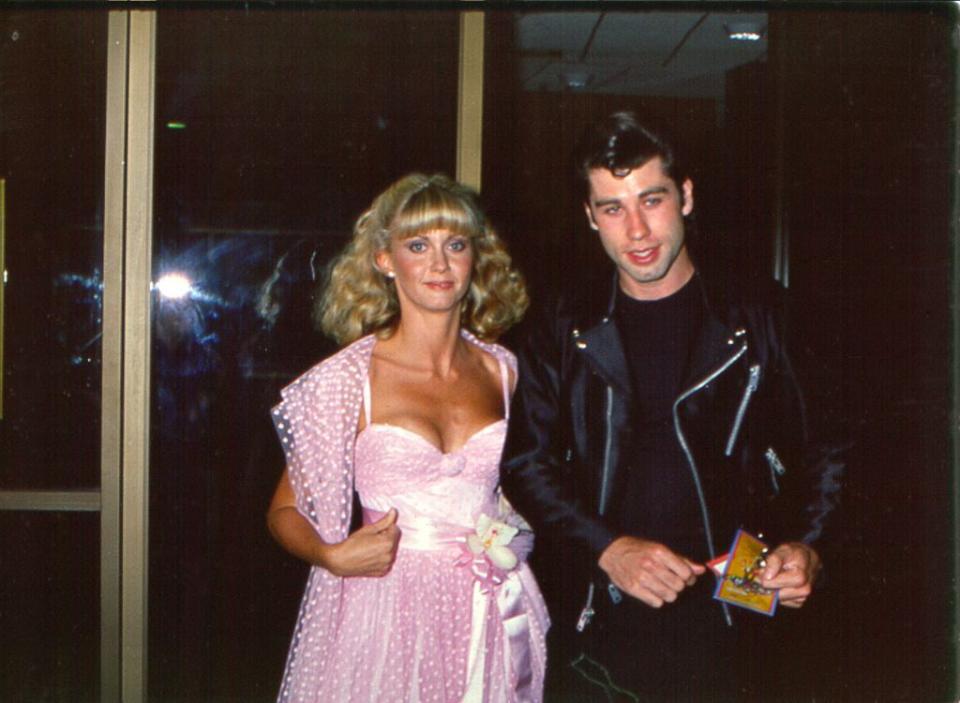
{"x":369,"y":551}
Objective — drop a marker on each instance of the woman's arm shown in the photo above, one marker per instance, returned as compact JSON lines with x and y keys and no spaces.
{"x":369,"y":551}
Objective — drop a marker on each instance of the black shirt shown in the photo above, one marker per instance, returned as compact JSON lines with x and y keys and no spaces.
{"x":658,"y":500}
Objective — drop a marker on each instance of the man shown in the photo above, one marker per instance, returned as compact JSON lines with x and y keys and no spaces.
{"x":655,"y":416}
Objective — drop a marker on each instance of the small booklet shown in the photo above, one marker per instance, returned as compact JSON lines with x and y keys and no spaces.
{"x":739,"y":572}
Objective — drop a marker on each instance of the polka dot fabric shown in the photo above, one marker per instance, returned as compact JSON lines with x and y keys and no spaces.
{"x":423,"y":632}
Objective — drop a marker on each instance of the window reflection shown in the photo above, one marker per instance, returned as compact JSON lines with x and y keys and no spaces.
{"x":52,"y":97}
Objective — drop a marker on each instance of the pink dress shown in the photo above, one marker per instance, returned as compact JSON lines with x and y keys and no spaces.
{"x":437,"y":627}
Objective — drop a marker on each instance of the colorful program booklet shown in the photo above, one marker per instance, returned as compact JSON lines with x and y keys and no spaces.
{"x":739,"y":575}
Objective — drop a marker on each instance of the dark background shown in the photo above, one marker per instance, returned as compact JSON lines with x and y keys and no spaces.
{"x":295,"y":119}
{"x":854,"y":113}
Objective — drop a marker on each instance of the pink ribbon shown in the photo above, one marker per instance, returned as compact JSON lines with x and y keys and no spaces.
{"x":514,"y":619}
{"x":485,"y":571}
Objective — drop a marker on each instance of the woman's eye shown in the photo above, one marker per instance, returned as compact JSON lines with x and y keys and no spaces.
{"x":416,"y":246}
{"x":458,"y":245}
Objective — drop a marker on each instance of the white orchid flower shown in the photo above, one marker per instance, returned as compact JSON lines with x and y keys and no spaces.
{"x":492,"y":538}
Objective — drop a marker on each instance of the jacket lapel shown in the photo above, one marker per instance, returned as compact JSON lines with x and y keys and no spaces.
{"x":602,"y":346}
{"x":715,"y":345}
{"x":597,"y":338}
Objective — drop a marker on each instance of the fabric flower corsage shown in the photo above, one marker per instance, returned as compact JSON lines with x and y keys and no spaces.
{"x":495,"y":547}
{"x":491,"y":539}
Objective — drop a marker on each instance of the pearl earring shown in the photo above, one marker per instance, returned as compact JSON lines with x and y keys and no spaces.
{"x":390,"y":274}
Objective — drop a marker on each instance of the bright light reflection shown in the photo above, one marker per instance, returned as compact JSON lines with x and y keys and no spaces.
{"x":744,"y":31}
{"x":173,"y":285}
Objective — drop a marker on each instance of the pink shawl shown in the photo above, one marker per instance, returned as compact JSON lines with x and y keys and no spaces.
{"x":317,"y":424}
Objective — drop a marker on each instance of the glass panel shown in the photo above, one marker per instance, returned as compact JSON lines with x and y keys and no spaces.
{"x":49,"y":605}
{"x":275,"y":129}
{"x":52,"y":97}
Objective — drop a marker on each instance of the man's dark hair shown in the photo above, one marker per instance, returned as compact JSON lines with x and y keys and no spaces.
{"x":620,"y":143}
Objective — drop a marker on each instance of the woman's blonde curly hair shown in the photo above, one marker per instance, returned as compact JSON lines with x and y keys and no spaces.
{"x":358,"y":299}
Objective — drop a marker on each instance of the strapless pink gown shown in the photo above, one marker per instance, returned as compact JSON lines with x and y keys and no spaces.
{"x":430,"y":630}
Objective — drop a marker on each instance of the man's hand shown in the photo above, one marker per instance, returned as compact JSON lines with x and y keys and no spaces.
{"x":648,"y":571}
{"x":792,"y":568}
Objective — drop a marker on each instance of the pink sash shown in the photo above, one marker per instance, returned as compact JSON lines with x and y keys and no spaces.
{"x":505,"y":589}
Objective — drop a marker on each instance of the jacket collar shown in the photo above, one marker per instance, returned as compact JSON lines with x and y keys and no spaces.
{"x":602,"y":345}
{"x":597,"y":337}
{"x":714,"y":347}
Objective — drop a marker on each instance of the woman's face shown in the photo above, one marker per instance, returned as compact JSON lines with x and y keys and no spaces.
{"x":431,"y":270}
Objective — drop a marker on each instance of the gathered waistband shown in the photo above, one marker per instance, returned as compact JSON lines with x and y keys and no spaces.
{"x":424,"y":535}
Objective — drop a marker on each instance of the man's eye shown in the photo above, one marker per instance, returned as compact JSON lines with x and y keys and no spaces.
{"x":652,"y":202}
{"x":612,"y":210}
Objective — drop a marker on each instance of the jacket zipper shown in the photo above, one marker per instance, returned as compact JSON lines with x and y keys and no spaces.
{"x":693,"y":466}
{"x":752,"y":384}
{"x":607,"y":446}
{"x":587,"y":613}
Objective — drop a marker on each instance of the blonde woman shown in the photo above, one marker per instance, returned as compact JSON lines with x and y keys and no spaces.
{"x":430,"y":600}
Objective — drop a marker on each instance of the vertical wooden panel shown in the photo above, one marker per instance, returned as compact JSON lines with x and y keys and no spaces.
{"x":136,"y":359}
{"x":112,"y":348}
{"x":470,"y":100}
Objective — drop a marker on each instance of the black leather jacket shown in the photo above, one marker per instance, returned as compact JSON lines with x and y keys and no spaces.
{"x":739,"y":422}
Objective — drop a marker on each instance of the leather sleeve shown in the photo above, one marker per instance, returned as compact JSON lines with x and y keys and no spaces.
{"x":539,"y":475}
{"x":812,"y":467}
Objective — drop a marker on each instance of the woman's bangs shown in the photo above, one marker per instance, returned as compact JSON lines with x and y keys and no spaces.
{"x":431,"y":210}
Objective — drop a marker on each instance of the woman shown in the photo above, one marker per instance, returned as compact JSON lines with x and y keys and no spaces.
{"x":429,"y":600}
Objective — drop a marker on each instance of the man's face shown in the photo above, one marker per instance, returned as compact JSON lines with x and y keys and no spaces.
{"x":639,"y":218}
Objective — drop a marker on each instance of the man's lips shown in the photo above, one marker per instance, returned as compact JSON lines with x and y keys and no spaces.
{"x":644,"y":257}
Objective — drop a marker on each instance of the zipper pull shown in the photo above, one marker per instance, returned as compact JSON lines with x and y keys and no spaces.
{"x":615,"y":594}
{"x":775,"y":462}
{"x":776,"y":468}
{"x":586,"y":615}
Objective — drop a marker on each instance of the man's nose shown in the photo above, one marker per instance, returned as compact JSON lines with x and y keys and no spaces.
{"x":637,"y":225}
